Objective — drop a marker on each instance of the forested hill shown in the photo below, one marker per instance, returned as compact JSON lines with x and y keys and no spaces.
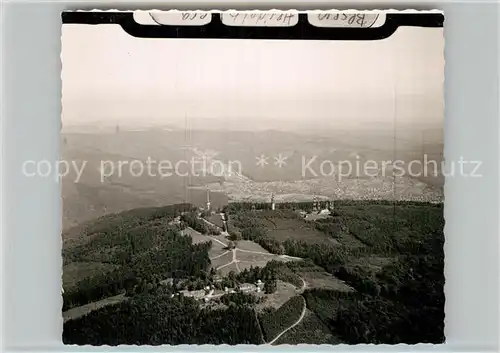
{"x":132,"y":249}
{"x":389,"y":254}
{"x":131,"y":253}
{"x":155,"y":319}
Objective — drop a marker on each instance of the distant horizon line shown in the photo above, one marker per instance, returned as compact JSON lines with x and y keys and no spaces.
{"x":158,"y":128}
{"x":179,"y":123}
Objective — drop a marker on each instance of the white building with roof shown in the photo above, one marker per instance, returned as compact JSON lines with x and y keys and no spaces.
{"x":196,"y":294}
{"x":247,"y":287}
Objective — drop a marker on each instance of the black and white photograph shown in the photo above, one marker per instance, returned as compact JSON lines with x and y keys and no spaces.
{"x":263,"y":191}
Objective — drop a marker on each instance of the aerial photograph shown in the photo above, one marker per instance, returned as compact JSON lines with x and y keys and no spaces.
{"x":261,"y":192}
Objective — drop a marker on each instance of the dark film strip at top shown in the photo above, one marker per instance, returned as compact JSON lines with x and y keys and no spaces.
{"x":216,"y":29}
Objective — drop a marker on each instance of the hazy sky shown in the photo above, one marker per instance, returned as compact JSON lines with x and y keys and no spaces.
{"x":111,"y":76}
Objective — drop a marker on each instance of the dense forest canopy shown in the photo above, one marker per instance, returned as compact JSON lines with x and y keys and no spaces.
{"x":155,"y":319}
{"x":145,"y":247}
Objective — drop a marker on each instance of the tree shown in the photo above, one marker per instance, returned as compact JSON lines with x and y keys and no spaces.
{"x":233,"y":236}
{"x":213,"y":272}
{"x":270,"y":286}
{"x":232,"y":276}
{"x":141,"y":287}
{"x":169,"y":289}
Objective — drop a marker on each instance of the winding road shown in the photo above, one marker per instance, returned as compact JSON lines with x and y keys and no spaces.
{"x":294,"y":324}
{"x":235,"y":261}
{"x":301,"y":290}
{"x":216,"y":257}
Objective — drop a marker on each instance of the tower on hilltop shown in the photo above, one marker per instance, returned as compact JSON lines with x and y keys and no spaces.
{"x":208,"y":200}
{"x":315,"y":204}
{"x":331,"y":206}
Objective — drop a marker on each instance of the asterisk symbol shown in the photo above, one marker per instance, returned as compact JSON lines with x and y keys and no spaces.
{"x":280,"y":160}
{"x":261,"y":160}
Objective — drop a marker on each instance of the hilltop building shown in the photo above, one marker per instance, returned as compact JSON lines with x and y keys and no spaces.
{"x":175,"y":221}
{"x":324,"y":211}
{"x":273,"y":205}
{"x":247,"y":287}
{"x":196,"y":294}
{"x":315,"y":205}
{"x":319,"y":211}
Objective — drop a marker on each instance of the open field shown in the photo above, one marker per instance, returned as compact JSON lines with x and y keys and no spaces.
{"x":275,"y":300}
{"x":229,"y":268}
{"x":251,"y":246}
{"x":245,"y":260}
{"x":222,"y":260}
{"x":220,"y":239}
{"x":252,"y":257}
{"x":196,"y":236}
{"x":282,"y":229}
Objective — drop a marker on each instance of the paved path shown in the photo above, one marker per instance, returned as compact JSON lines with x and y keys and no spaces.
{"x":217,"y":240}
{"x":233,"y":261}
{"x":270,"y":254}
{"x":216,"y":257}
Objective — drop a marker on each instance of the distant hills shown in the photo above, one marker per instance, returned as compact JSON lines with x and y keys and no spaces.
{"x":91,"y":197}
